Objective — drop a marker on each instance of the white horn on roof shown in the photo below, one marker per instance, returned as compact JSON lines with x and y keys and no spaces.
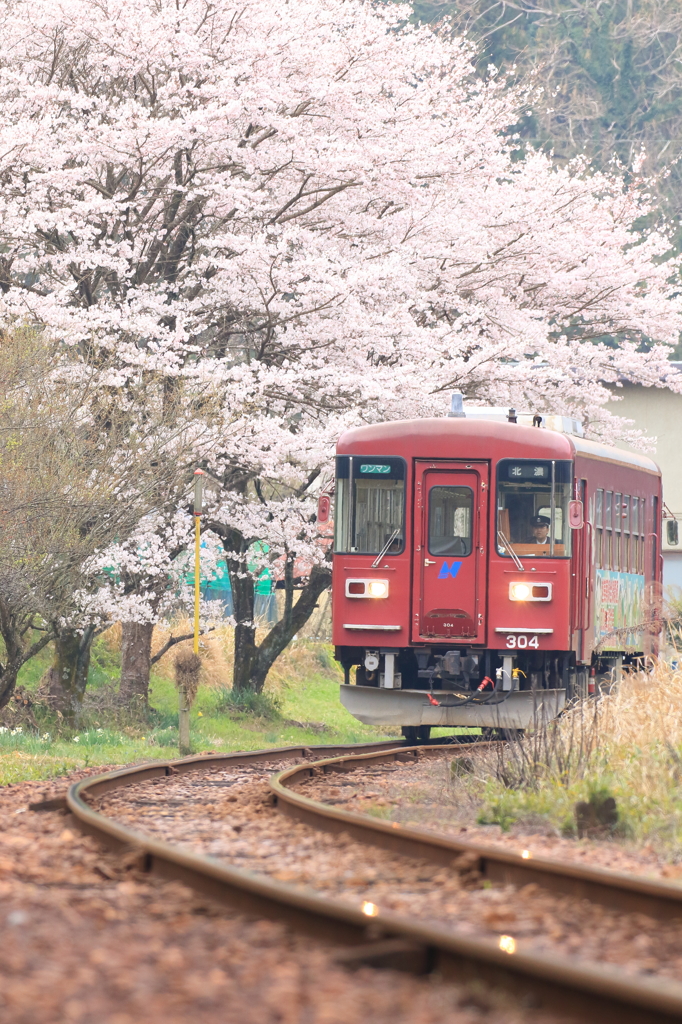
{"x":503,"y":414}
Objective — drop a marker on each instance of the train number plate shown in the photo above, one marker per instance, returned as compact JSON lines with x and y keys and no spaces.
{"x":522,"y":641}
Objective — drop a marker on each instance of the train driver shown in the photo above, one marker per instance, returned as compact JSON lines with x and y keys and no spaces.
{"x":540,"y":528}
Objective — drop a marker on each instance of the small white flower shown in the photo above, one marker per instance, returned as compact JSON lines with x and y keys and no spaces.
{"x":3,"y":728}
{"x":17,"y":731}
{"x":76,"y":739}
{"x":46,"y":735}
{"x":100,"y":730}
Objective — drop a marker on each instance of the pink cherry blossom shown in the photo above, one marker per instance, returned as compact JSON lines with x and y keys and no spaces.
{"x":280,"y":220}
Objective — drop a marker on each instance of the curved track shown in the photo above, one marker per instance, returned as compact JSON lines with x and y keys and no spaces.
{"x":582,"y":992}
{"x":627,"y":893}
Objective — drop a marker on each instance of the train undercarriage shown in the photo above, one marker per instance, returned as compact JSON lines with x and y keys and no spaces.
{"x":418,"y":688}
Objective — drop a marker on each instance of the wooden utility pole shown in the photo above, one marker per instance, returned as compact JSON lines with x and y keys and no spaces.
{"x":186,"y":693}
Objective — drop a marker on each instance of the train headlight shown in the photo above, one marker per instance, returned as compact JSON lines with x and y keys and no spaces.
{"x":530,"y":591}
{"x":367,"y":588}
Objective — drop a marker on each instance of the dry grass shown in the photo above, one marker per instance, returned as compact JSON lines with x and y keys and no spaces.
{"x":645,"y":710}
{"x":302,"y":658}
{"x":627,"y":744}
{"x":216,"y":650}
{"x":562,"y":751}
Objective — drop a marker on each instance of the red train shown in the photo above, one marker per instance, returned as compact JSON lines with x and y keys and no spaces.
{"x":486,"y":571}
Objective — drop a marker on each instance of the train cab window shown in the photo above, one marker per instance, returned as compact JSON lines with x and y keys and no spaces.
{"x":532,"y":507}
{"x":450,"y":520}
{"x":369,"y":514}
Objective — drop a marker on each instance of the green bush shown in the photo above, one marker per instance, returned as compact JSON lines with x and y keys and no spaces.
{"x":248,"y":702}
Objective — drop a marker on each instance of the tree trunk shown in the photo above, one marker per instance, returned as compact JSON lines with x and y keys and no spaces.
{"x":68,"y":676}
{"x":245,"y":649}
{"x":136,"y":660}
{"x":252,"y":662}
{"x":295,"y":617}
{"x":8,"y":682}
{"x":15,"y":628}
{"x":14,"y":649}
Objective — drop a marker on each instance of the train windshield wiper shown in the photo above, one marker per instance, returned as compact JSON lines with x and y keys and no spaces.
{"x":394,"y":536}
{"x":510,"y":549}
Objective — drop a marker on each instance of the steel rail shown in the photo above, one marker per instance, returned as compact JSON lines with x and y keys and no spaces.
{"x":624,"y":892}
{"x":585,"y":993}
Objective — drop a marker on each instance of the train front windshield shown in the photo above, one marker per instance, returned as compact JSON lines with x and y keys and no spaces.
{"x":369,"y":515}
{"x":532,"y":507}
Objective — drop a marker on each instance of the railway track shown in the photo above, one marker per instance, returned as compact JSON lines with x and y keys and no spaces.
{"x":375,"y":937}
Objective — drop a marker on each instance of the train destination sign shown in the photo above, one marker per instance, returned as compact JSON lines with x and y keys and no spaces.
{"x":374,"y":467}
{"x":528,"y":471}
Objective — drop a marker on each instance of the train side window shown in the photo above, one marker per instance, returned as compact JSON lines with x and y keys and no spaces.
{"x":617,"y":522}
{"x":654,"y":539}
{"x":625,"y":513}
{"x":599,"y":528}
{"x":625,"y":523}
{"x":608,"y":536}
{"x":450,"y":520}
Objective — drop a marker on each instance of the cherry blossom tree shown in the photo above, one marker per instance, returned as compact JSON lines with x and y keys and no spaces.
{"x":68,"y":489}
{"x":147,"y":580}
{"x":283,"y":220}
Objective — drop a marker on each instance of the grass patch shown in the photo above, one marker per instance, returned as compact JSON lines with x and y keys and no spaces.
{"x":624,"y":747}
{"x":300,"y":706}
{"x":264,"y":705}
{"x":377,"y":811}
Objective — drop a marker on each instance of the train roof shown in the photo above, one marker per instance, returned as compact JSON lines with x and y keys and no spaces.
{"x":459,"y":437}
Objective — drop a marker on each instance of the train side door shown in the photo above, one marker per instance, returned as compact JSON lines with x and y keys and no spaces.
{"x":583,"y":581}
{"x":450,"y":531}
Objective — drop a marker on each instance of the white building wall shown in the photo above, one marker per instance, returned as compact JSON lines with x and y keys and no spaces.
{"x":658,"y":412}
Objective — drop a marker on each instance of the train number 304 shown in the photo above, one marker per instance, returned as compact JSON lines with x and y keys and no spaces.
{"x":522,"y":641}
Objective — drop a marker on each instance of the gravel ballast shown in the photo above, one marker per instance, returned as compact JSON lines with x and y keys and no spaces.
{"x":88,"y":939}
{"x":228,"y":814}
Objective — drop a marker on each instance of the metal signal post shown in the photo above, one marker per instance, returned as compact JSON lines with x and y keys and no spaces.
{"x":198,"y":488}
